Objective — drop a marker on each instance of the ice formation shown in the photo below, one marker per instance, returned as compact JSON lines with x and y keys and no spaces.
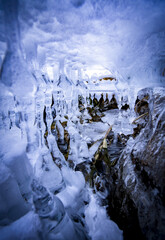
{"x":69,"y":80}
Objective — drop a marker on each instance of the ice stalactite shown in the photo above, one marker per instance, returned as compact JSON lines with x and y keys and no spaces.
{"x":45,"y":169}
{"x":39,"y":103}
{"x":67,"y":88}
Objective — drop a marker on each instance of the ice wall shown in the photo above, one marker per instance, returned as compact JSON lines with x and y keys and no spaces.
{"x":14,"y":71}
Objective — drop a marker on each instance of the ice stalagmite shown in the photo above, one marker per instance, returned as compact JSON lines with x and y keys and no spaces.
{"x":55,"y":220}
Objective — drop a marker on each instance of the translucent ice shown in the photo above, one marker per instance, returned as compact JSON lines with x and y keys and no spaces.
{"x":47,"y":172}
{"x":18,"y":78}
{"x":55,"y":220}
{"x":13,"y":154}
{"x":26,"y":227}
{"x":12,"y":205}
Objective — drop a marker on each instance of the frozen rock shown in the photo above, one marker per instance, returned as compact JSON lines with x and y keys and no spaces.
{"x":139,"y":174}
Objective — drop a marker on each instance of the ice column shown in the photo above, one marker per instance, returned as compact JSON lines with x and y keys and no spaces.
{"x":55,"y":220}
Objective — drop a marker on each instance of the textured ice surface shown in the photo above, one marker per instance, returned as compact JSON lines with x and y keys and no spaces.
{"x":47,"y":172}
{"x":100,"y":227}
{"x":26,"y":227}
{"x":78,"y":147}
{"x":12,"y":205}
{"x":13,"y":155}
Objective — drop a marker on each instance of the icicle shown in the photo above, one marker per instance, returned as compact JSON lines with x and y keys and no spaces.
{"x":1,"y":121}
{"x":39,"y":116}
{"x":115,"y":138}
{"x":49,"y":119}
{"x":61,"y":66}
{"x":13,"y":128}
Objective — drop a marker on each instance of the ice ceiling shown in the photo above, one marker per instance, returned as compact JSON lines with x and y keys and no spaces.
{"x":120,"y":37}
{"x":72,"y":41}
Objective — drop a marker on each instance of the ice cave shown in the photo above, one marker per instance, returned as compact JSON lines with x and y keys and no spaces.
{"x":82,"y":119}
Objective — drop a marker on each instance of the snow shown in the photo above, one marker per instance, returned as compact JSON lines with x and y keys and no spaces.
{"x":100,"y":227}
{"x":95,"y":131}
